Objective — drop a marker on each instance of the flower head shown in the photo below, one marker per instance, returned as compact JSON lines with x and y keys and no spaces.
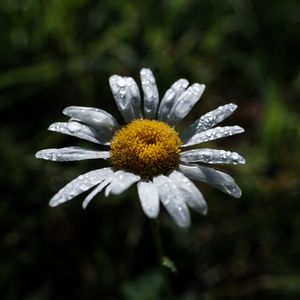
{"x":148,"y":150}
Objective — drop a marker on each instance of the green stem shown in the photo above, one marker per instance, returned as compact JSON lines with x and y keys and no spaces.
{"x":161,"y":256}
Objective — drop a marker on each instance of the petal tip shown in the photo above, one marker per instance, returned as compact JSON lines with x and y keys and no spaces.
{"x":241,"y":129}
{"x":38,"y":154}
{"x":145,"y":70}
{"x":51,"y":127}
{"x":113,"y":78}
{"x":84,"y":205}
{"x":66,"y":110}
{"x":199,"y":86}
{"x":53,"y":203}
{"x":152,"y":216}
{"x":236,"y":193}
{"x":204,"y":211}
{"x":184,"y":225}
{"x":107,"y":191}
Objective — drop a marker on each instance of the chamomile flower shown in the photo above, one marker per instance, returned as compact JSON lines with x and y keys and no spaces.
{"x":147,"y":150}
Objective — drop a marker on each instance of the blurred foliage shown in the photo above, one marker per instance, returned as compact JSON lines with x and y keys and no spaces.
{"x":57,"y":53}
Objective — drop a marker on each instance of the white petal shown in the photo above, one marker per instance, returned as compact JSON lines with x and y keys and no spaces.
{"x":213,"y":134}
{"x":97,"y":190}
{"x":211,"y":156}
{"x":149,"y":198}
{"x":71,"y":154}
{"x":185,"y":103}
{"x":76,"y":129}
{"x":127,"y":96}
{"x":150,"y":90}
{"x":173,"y":201}
{"x":79,"y":185}
{"x":190,"y":192}
{"x":208,"y":121}
{"x":120,"y":182}
{"x":218,"y":179}
{"x":108,"y":188}
{"x":170,"y":97}
{"x":101,"y":121}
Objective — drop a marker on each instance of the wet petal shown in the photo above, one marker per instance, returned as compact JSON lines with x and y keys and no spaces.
{"x":149,"y":198}
{"x":213,"y":134}
{"x":211,"y":156}
{"x":208,"y":121}
{"x":185,"y":103}
{"x":190,"y":192}
{"x":218,"y":179}
{"x":173,"y":201}
{"x":71,"y":154}
{"x":96,"y":190}
{"x":101,"y":121}
{"x":76,"y":129}
{"x":79,"y":185}
{"x":170,"y":97}
{"x":127,"y":96}
{"x":121,"y":181}
{"x":151,"y":96}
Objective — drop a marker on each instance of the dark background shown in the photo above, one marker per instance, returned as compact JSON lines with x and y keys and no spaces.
{"x":57,"y":53}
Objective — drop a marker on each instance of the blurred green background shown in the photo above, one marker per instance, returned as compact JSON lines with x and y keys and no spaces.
{"x":57,"y":53}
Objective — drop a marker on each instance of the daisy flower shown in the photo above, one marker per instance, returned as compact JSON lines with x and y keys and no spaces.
{"x":148,"y":150}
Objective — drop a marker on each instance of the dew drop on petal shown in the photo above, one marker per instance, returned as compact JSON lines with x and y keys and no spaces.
{"x":121,"y":82}
{"x":73,"y":126}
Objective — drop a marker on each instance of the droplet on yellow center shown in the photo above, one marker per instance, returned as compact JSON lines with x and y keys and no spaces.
{"x":145,"y":147}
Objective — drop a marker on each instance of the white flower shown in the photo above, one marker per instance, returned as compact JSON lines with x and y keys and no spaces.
{"x":146,"y":151}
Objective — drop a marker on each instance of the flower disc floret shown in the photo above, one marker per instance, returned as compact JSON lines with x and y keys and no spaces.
{"x":145,"y":147}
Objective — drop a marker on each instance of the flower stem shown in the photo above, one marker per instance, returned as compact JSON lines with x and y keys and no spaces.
{"x":161,"y":257}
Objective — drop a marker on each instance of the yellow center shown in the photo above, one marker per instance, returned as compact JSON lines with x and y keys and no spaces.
{"x":145,"y":147}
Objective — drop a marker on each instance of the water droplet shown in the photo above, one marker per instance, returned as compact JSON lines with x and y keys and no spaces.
{"x":73,"y":126}
{"x":152,"y":80}
{"x":231,"y":107}
{"x":235,"y":156}
{"x":121,"y":82}
{"x":122,"y":92}
{"x":144,"y":72}
{"x":83,"y":187}
{"x":170,"y":95}
{"x":209,"y":133}
{"x":149,"y":92}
